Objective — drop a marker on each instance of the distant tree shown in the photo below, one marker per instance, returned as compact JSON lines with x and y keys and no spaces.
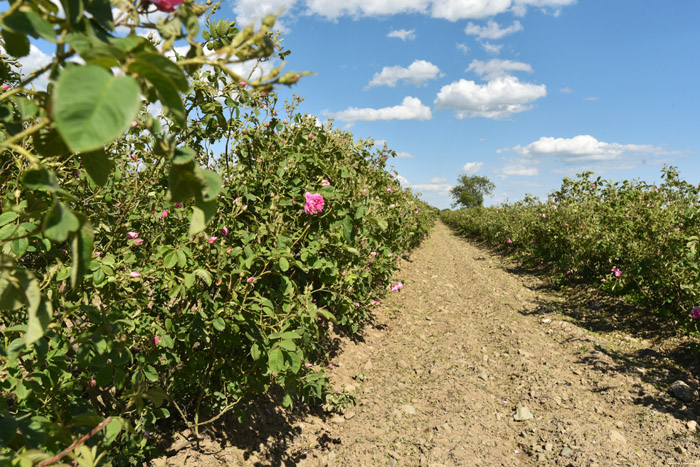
{"x":470,"y":191}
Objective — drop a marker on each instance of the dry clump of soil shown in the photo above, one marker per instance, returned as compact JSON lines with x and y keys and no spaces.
{"x":472,"y":364}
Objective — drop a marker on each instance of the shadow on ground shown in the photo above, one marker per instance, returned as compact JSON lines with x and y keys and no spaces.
{"x":657,"y":352}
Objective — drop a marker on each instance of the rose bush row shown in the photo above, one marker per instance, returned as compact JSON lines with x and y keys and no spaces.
{"x":170,"y":269}
{"x":630,"y":237}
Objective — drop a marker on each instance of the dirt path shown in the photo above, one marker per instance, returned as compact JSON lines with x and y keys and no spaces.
{"x":471,"y":365}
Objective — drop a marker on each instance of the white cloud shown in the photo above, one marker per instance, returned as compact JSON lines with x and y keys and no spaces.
{"x":402,"y":180}
{"x":439,"y":187}
{"x":438,"y":180}
{"x":492,"y":48}
{"x":582,"y":148}
{"x":410,"y":109}
{"x":495,"y":67}
{"x":404,"y":155}
{"x":520,"y":170}
{"x":34,"y":61}
{"x":463,"y":48}
{"x":403,"y":34}
{"x":454,"y":10}
{"x":252,"y":11}
{"x":451,"y":10}
{"x":590,"y":99}
{"x":499,"y":98}
{"x":492,"y":30}
{"x":566,"y":90}
{"x":417,"y":73}
{"x":472,"y":167}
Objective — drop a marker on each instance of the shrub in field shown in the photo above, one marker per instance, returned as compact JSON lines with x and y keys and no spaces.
{"x":629,"y":237}
{"x":172,"y":267}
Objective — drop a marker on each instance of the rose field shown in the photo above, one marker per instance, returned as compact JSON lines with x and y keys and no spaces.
{"x":193,"y":272}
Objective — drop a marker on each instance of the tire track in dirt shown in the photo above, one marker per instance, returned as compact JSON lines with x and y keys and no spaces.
{"x":454,"y":359}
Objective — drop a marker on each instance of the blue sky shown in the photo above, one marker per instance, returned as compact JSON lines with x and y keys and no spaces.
{"x":524,"y":92}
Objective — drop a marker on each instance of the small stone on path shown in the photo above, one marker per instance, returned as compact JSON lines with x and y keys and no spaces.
{"x":567,"y":452}
{"x":617,"y":437}
{"x":683,"y":392}
{"x":408,"y":409}
{"x":523,"y":414}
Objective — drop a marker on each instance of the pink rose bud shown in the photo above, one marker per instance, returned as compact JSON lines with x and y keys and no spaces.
{"x":229,"y":249}
{"x":178,"y":205}
{"x":135,"y":274}
{"x":251,"y":280}
{"x":164,"y":214}
{"x":132,"y":235}
{"x":224,"y":229}
{"x":311,"y":136}
{"x":5,"y":87}
{"x":155,"y":340}
{"x":309,"y":365}
{"x":325,"y":183}
{"x":138,"y":241}
{"x":134,"y":123}
{"x":243,"y":84}
{"x":93,"y":383}
{"x":212,"y":239}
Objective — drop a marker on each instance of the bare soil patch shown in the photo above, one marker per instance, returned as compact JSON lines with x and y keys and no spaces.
{"x":474,"y":363}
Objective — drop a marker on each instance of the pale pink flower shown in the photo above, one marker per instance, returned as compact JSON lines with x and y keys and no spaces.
{"x":132,"y":235}
{"x":388,"y":189}
{"x":364,"y":192}
{"x":309,"y":365}
{"x":314,"y":203}
{"x":602,"y":280}
{"x":212,"y":239}
{"x":138,"y":241}
{"x":396,"y":287}
{"x":325,"y":183}
{"x":375,"y":302}
{"x":330,"y":367}
{"x":135,"y":274}
{"x":134,"y":123}
{"x":339,"y":389}
{"x":616,"y":271}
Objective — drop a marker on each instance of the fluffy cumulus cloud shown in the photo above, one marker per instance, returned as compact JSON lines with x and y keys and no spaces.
{"x":582,"y":148}
{"x":34,"y":61}
{"x":499,"y":98}
{"x":494,"y":49}
{"x":452,"y":10}
{"x":410,"y":109}
{"x":492,"y":30}
{"x":436,"y":185}
{"x":472,"y":167}
{"x":416,"y":73}
{"x":403,"y":34}
{"x":519,"y":170}
{"x":463,"y":48}
{"x":495,"y":68}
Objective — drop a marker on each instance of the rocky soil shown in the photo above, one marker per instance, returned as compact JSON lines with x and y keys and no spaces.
{"x":475,"y":362}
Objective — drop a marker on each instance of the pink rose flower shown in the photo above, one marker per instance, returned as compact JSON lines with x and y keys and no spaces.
{"x":398,"y":286}
{"x":166,"y":5}
{"x":132,"y":235}
{"x":164,"y":214}
{"x":212,"y":239}
{"x":314,"y":203}
{"x":616,"y":271}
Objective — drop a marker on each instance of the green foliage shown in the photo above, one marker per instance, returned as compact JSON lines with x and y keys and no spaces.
{"x":629,"y":237}
{"x":155,"y":269}
{"x":470,"y":190}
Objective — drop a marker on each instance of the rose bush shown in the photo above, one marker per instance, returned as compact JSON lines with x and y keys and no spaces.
{"x":171,"y":267}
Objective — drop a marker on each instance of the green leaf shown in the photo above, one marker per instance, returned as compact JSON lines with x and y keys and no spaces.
{"x":60,"y":222}
{"x":82,"y":250}
{"x":347,"y":228}
{"x":91,"y":107}
{"x":73,"y":10}
{"x":16,"y":45}
{"x":296,"y":361}
{"x":104,"y":376}
{"x":288,"y":345}
{"x":150,"y":373}
{"x":219,"y":324}
{"x":167,"y":79}
{"x":255,"y":351}
{"x":112,"y":430}
{"x":183,"y":155}
{"x":204,"y":275}
{"x":97,"y":165}
{"x":8,"y":428}
{"x":202,"y":213}
{"x":101,"y":10}
{"x":291,"y":335}
{"x":284,"y":264}
{"x":40,"y":179}
{"x":25,"y":21}
{"x":275,"y":360}
{"x":26,"y":107}
{"x":19,"y":246}
{"x":210,"y":183}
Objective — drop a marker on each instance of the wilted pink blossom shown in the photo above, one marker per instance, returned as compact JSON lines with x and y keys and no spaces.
{"x":132,"y":235}
{"x":325,"y":183}
{"x":695,"y":313}
{"x":138,"y":241}
{"x":396,"y":287}
{"x":135,"y":274}
{"x":251,"y":280}
{"x":224,"y":229}
{"x":314,"y":203}
{"x":212,"y":239}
